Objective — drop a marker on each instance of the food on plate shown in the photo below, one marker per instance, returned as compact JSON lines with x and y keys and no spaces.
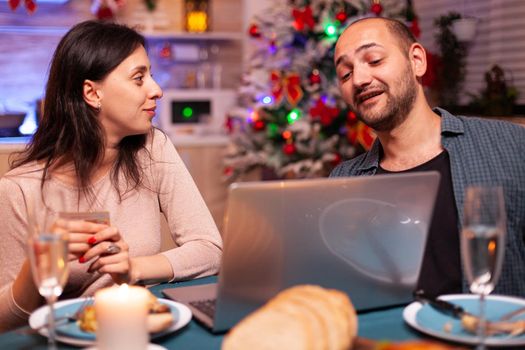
{"x":511,"y":328}
{"x":159,"y":318}
{"x":86,"y":320}
{"x":414,"y":345}
{"x":301,"y":317}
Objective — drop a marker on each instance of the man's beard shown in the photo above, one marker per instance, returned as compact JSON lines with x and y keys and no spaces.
{"x":397,"y":106}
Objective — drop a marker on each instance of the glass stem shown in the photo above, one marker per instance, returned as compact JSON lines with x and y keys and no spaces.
{"x":51,"y":341}
{"x":482,"y":324}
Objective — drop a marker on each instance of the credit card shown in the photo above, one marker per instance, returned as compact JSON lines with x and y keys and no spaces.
{"x":97,"y":217}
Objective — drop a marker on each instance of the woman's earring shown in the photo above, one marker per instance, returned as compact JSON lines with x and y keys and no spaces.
{"x":99,"y":106}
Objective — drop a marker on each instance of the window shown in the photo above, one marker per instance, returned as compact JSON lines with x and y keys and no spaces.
{"x":500,"y":38}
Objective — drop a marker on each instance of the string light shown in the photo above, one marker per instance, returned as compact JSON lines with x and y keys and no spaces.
{"x":293,"y":116}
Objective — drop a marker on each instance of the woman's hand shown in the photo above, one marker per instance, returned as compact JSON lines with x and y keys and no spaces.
{"x":109,"y":253}
{"x":80,"y":235}
{"x":98,"y":244}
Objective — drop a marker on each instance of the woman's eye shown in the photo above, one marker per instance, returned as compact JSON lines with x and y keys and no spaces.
{"x":139,"y":78}
{"x":374,"y":62}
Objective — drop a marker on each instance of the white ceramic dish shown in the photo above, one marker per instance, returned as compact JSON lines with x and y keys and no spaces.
{"x":181,"y":314}
{"x":426,"y":319}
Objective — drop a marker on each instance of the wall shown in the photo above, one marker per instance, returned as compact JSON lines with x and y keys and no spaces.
{"x":28,"y":41}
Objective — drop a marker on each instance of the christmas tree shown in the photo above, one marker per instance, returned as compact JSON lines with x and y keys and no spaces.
{"x":291,"y":118}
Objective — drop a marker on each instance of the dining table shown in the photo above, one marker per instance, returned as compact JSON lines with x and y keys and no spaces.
{"x":382,"y":325}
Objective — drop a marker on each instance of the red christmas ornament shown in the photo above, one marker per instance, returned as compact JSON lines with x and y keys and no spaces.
{"x":430,"y":78}
{"x":228,"y":171}
{"x":324,"y":113}
{"x":228,"y":124}
{"x":341,"y":16}
{"x":30,"y":6}
{"x":414,"y":27}
{"x":259,"y":125}
{"x":351,"y":118}
{"x":376,"y":8}
{"x":289,"y":149}
{"x":337,"y":159}
{"x":254,"y":31}
{"x":315,"y":77}
{"x":303,"y":18}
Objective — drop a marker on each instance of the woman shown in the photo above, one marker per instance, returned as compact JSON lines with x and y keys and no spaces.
{"x":96,"y":149}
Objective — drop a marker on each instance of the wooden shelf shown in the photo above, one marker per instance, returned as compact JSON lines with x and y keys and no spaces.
{"x":37,"y":30}
{"x":59,"y":31}
{"x":210,"y":36}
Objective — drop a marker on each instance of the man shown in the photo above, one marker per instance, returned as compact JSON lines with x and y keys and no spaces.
{"x":379,"y":66}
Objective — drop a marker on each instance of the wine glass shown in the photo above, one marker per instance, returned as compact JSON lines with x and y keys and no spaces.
{"x":483,"y":244}
{"x":48,"y":257}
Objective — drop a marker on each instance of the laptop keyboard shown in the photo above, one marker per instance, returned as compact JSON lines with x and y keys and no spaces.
{"x":207,"y":306}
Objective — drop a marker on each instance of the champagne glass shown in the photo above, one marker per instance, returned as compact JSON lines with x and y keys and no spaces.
{"x":48,"y":257}
{"x":483,"y":244}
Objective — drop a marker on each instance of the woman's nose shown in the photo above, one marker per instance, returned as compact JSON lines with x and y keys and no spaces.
{"x":155,"y":90}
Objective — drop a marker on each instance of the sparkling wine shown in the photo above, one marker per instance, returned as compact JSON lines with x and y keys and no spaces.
{"x":482,"y":249}
{"x":49,"y":260}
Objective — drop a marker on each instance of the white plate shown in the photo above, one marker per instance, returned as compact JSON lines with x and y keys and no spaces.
{"x":150,"y":347}
{"x":426,"y":319}
{"x":38,"y":318}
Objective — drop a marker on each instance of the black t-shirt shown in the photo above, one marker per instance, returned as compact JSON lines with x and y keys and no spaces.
{"x":441,"y":270}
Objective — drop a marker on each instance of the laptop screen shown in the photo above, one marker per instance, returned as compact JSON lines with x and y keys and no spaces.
{"x":363,"y":235}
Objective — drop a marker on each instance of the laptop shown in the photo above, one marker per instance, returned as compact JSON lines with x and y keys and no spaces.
{"x":362,"y":235}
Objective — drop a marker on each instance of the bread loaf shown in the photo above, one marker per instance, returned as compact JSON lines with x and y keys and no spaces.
{"x":301,"y":317}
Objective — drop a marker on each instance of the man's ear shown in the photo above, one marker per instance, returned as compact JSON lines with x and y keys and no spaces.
{"x":418,"y":59}
{"x":91,"y":93}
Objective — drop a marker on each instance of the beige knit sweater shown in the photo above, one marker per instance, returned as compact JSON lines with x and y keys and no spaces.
{"x":168,"y":189}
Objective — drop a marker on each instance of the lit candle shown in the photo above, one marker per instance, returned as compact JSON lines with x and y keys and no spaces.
{"x":121,"y":318}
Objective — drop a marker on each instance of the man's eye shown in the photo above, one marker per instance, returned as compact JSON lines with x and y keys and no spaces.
{"x":375,"y":62}
{"x":346,"y":76}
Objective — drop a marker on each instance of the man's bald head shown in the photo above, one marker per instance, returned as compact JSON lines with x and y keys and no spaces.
{"x":396,"y":28}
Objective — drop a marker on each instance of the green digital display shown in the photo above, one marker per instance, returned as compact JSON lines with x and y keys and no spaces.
{"x":189,"y":111}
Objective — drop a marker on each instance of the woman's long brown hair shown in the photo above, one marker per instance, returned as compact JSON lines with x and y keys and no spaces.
{"x":69,"y":131}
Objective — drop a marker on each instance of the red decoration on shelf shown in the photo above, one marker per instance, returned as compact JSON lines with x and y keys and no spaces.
{"x":324,"y":113}
{"x":303,"y":18}
{"x":376,"y":8}
{"x":289,"y":149}
{"x":106,"y":9}
{"x":166,"y":52}
{"x":341,"y":16}
{"x":13,"y":4}
{"x":289,"y":86}
{"x":228,"y":124}
{"x":254,"y":31}
{"x":30,"y":5}
{"x":104,"y":12}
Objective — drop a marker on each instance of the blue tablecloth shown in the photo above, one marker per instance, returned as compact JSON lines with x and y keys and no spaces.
{"x":379,"y":325}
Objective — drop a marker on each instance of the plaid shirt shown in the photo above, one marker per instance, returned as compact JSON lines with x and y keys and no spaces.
{"x":482,"y":152}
